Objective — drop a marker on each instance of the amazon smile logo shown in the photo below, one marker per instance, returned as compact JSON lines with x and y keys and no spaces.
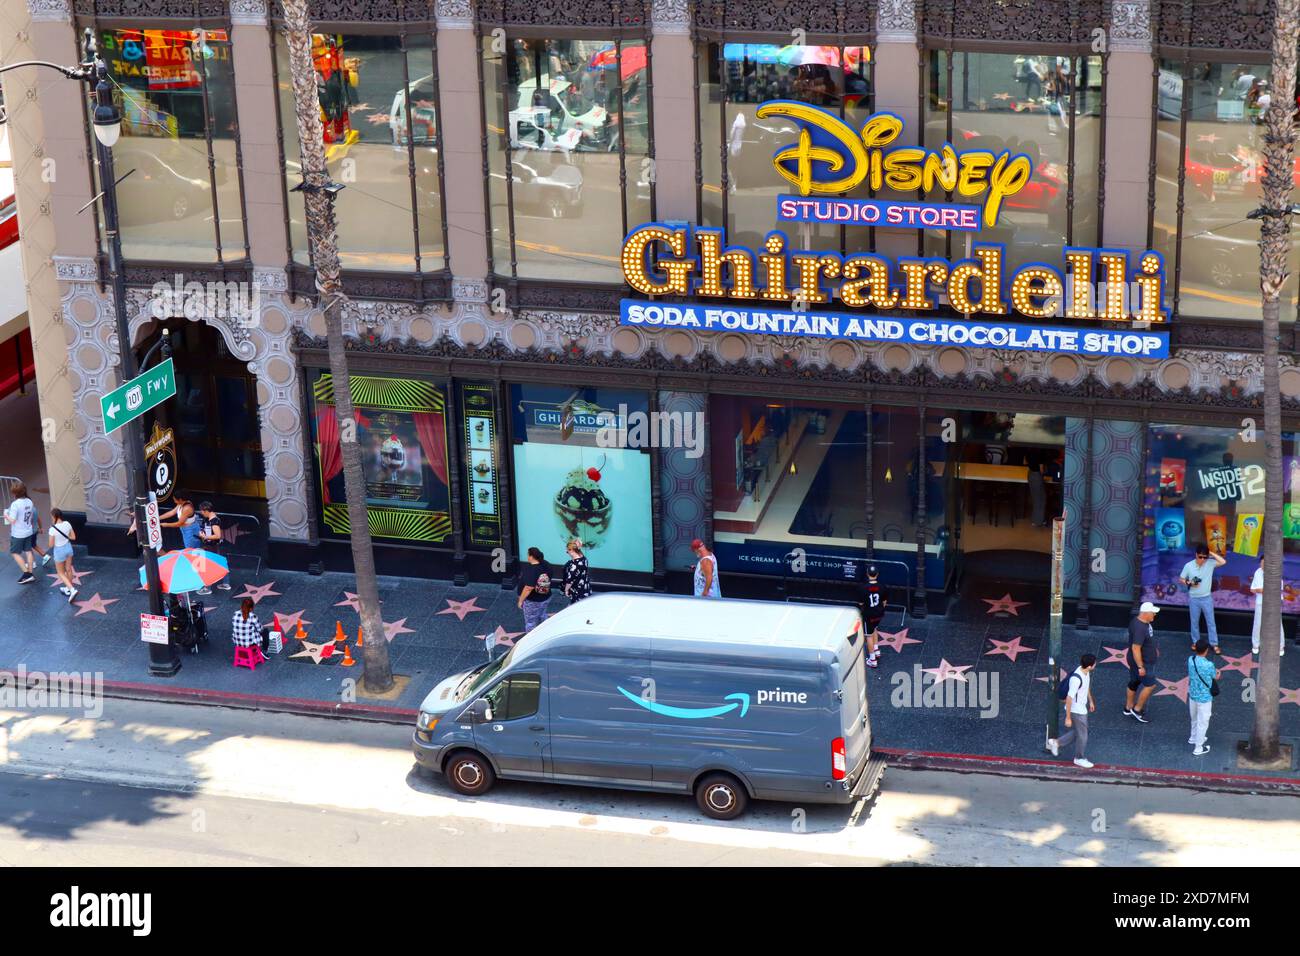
{"x":690,"y":713}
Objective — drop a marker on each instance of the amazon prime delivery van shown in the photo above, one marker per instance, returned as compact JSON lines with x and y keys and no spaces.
{"x":726,"y":700}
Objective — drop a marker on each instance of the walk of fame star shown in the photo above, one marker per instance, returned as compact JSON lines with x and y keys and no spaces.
{"x":896,"y":641}
{"x":289,"y":622}
{"x":1290,"y":696}
{"x":317,"y":652}
{"x":76,"y":579}
{"x":1059,"y":679}
{"x":395,"y":628}
{"x":1011,"y":648}
{"x":461,"y":608}
{"x":1242,"y":664}
{"x":1004,"y":604}
{"x":1118,"y":655}
{"x":1173,"y":688}
{"x":97,"y":604}
{"x":257,"y":592}
{"x":350,"y":600}
{"x":946,"y":671}
{"x":502,"y":636}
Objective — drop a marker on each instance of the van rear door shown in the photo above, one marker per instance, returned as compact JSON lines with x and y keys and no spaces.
{"x":854,"y":725}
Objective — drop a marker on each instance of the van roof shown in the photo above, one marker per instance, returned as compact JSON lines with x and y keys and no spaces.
{"x":808,"y":627}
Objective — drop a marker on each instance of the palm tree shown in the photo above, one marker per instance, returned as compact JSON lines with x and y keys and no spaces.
{"x":322,"y":232}
{"x":1274,"y":249}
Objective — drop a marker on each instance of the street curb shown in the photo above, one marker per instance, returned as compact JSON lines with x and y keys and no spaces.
{"x":1101,"y":773}
{"x":129,"y":690}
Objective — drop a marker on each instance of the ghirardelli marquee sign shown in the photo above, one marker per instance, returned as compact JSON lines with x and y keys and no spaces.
{"x":828,"y":159}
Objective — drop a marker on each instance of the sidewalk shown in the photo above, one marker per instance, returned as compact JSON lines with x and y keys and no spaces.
{"x":436,"y":629}
{"x":986,"y":635}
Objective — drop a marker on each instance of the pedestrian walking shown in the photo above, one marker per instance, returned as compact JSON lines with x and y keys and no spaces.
{"x":873,"y":612}
{"x":1198,"y":577}
{"x":577,"y":583}
{"x":186,"y":520}
{"x":1143,"y":653}
{"x":20,"y":516}
{"x":212,"y":538}
{"x":534,"y":589}
{"x":1257,"y":588}
{"x":61,"y":538}
{"x":1079,"y":703}
{"x":706,"y":571}
{"x":1202,"y":686}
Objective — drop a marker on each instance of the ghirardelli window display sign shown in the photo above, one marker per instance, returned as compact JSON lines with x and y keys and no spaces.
{"x":579,"y":472}
{"x":1205,"y":486}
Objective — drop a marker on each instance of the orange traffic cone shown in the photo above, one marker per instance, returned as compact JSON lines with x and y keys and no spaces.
{"x":339,"y":636}
{"x":348,"y":660}
{"x":360,"y":641}
{"x":276,"y":619}
{"x":300,"y":633}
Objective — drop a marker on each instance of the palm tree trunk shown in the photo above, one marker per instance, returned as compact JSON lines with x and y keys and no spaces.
{"x":1275,"y":248}
{"x":377,"y":671}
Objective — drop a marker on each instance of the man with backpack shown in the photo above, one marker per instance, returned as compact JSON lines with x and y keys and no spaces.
{"x":1076,"y":691}
{"x":873,"y":612}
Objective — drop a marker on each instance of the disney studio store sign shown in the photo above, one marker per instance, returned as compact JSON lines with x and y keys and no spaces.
{"x":881,"y":300}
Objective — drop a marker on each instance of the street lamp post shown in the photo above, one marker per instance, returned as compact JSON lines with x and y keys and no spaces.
{"x":107,"y":124}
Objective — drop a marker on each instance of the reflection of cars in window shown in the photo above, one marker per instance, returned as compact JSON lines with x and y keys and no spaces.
{"x":545,"y":184}
{"x":423,"y":114}
{"x":562,"y":108}
{"x":167,"y":181}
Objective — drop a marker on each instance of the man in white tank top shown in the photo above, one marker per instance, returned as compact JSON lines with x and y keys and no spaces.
{"x":706,"y":571}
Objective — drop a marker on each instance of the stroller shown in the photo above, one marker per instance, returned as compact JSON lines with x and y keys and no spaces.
{"x":187,"y":626}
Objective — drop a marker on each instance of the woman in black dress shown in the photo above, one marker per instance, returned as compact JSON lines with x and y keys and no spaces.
{"x":576,"y":583}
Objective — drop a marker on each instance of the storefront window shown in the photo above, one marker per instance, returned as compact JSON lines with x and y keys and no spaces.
{"x":1215,"y":172}
{"x":1206,"y":486}
{"x":789,"y":486}
{"x":402,"y":430}
{"x":736,"y":146}
{"x":1033,"y":105}
{"x":378,"y":99}
{"x":582,"y":470}
{"x":568,"y":125}
{"x":176,"y":89}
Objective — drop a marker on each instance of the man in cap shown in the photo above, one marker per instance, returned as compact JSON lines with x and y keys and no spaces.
{"x":873,"y":612}
{"x":706,"y":571}
{"x":1143,"y":652}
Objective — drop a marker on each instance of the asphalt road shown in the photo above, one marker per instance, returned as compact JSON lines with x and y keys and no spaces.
{"x":174,"y":784}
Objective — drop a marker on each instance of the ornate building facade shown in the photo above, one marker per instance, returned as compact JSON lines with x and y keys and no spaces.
{"x":493,"y":155}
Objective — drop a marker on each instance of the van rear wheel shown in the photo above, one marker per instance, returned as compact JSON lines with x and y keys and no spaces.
{"x":470,"y":773}
{"x":721,"y":796}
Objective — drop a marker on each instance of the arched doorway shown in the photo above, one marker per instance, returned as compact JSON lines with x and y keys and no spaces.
{"x":214,"y":418}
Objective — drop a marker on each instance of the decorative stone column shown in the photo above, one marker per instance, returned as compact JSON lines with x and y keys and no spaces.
{"x":673,"y":65}
{"x":897,"y":77}
{"x":1128,"y":125}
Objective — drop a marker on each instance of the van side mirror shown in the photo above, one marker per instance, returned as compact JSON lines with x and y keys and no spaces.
{"x":480,"y":712}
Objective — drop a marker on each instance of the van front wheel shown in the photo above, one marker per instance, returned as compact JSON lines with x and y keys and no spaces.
{"x":721,"y":796}
{"x":470,"y":773}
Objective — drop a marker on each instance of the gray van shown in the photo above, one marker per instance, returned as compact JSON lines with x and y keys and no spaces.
{"x":728,"y":700}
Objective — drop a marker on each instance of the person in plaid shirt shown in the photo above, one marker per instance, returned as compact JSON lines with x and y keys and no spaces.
{"x":245,"y":628}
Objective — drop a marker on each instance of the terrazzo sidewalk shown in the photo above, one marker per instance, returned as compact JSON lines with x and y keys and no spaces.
{"x":993,"y":641}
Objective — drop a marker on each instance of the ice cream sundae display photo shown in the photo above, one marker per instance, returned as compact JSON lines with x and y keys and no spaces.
{"x":574,"y":487}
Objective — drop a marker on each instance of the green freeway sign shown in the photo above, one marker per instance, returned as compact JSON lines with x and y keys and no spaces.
{"x":128,"y":402}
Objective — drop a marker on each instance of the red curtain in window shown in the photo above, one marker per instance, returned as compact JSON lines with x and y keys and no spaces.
{"x":331,"y":454}
{"x":432,"y":431}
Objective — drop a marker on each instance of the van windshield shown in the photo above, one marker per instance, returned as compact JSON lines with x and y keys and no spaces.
{"x":481,"y":676}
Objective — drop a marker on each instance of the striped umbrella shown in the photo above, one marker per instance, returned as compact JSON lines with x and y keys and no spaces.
{"x":188,"y":570}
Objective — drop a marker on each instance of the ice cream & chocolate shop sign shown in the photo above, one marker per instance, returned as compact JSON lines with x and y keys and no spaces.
{"x":781,"y":290}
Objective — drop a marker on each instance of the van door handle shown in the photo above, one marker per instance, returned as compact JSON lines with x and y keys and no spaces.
{"x":536,"y":727}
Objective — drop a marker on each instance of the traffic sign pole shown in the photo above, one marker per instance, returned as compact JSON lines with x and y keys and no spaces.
{"x":163,"y":660}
